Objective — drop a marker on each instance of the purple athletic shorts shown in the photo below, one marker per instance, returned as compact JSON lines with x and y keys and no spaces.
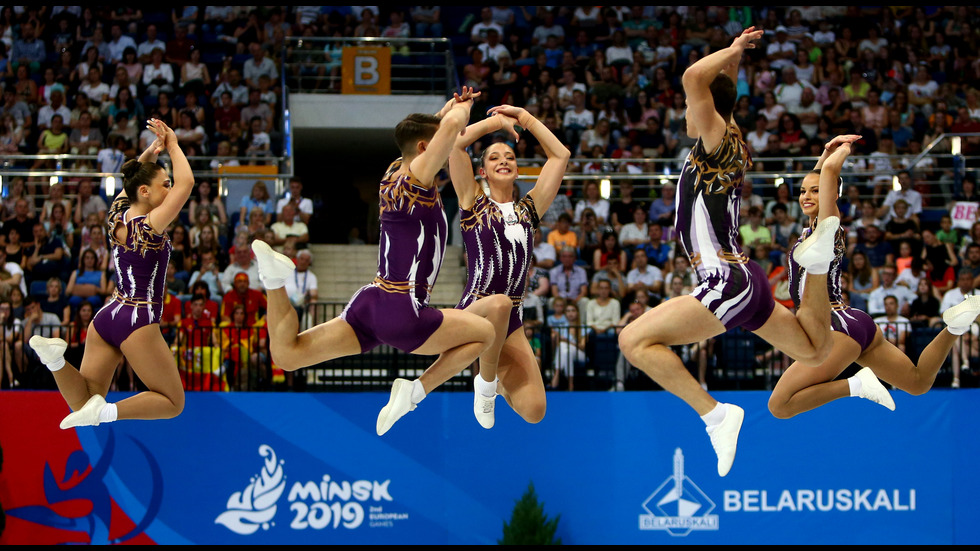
{"x":380,"y":317}
{"x":739,"y":298}
{"x":855,"y":324}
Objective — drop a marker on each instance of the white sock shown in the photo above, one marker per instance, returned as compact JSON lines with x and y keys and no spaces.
{"x":714,"y":417}
{"x":418,"y":391}
{"x":957,"y":330}
{"x":486,"y":389}
{"x":855,"y":385}
{"x":108,"y":413}
{"x":56,"y":365}
{"x":272,"y":284}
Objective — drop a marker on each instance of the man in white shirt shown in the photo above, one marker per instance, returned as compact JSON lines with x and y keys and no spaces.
{"x":956,"y":295}
{"x":119,"y":43}
{"x":56,"y":107}
{"x":643,"y":275}
{"x":242,"y":262}
{"x":789,"y":93}
{"x":781,"y":52}
{"x":288,"y":227}
{"x":258,"y":64}
{"x":567,"y":89}
{"x":146,"y":48}
{"x":876,"y":298}
{"x":239,"y":92}
{"x":302,"y":287}
{"x":577,"y":120}
{"x":304,"y":206}
{"x":478,"y":34}
{"x":544,"y":253}
{"x":546,"y":29}
{"x":911,"y":196}
{"x":492,"y":49}
{"x":809,"y":111}
{"x":894,"y":327}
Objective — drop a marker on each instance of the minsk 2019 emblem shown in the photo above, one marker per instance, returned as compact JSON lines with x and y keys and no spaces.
{"x":678,"y":505}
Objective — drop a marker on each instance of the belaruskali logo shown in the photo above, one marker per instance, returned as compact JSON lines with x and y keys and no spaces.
{"x":678,"y":506}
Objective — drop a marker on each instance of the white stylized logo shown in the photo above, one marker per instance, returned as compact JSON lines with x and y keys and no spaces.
{"x":256,"y":506}
{"x":678,"y":505}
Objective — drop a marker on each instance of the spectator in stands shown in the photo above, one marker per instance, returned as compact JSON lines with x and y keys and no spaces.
{"x":894,"y":327}
{"x":922,"y":91}
{"x":609,"y":251}
{"x":55,"y":302}
{"x":194,"y":75}
{"x":758,"y":138}
{"x":863,"y":277}
{"x":256,"y":142}
{"x":588,"y":236}
{"x":876,"y":299}
{"x":87,"y":283}
{"x":240,"y":293}
{"x":577,"y":120}
{"x":643,"y":275}
{"x":174,"y":284}
{"x":231,"y":82}
{"x":925,"y":309}
{"x":23,"y":222}
{"x":36,"y":322}
{"x":943,"y":259}
{"x":202,"y":220}
{"x":302,"y":288}
{"x":789,"y":93}
{"x":145,"y":50}
{"x":753,"y":232}
{"x":304,"y":205}
{"x":368,"y":26}
{"x":662,"y":209}
{"x":158,"y":76}
{"x":11,"y":276}
{"x":56,"y":107}
{"x":208,"y":200}
{"x":288,"y":227}
{"x":637,"y":232}
{"x":195,"y":329}
{"x":879,"y":251}
{"x":569,"y":345}
{"x":603,"y":311}
{"x":681,"y":271}
{"x":256,"y":108}
{"x":592,"y":200}
{"x":28,"y":50}
{"x":53,"y":141}
{"x":85,"y":140}
{"x":242,"y":262}
{"x":907,"y":193}
{"x":258,"y":64}
{"x":209,"y":273}
{"x":427,"y":21}
{"x":657,"y":250}
{"x":179,"y":47}
{"x":567,"y":279}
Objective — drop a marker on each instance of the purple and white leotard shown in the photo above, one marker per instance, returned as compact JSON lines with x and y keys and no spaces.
{"x":499,"y":241}
{"x":393,"y":309}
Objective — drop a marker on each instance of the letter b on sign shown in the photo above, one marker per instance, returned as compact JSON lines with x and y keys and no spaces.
{"x":366,"y":70}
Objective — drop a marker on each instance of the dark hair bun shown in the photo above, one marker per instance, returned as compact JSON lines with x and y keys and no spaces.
{"x":130,"y":168}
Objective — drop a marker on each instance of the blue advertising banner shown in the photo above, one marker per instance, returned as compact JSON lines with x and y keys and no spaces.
{"x":619,"y":468}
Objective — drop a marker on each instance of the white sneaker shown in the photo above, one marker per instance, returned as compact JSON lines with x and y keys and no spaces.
{"x":724,"y":438}
{"x":817,"y":251}
{"x":483,"y":409}
{"x":398,"y":405}
{"x":49,"y":350}
{"x":872,"y":389}
{"x":274,"y":267}
{"x":87,"y":416}
{"x":962,"y":315}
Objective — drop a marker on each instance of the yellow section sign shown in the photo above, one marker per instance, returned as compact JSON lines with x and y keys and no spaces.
{"x":366,"y":70}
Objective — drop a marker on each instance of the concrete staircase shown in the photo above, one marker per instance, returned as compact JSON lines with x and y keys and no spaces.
{"x":343,"y":269}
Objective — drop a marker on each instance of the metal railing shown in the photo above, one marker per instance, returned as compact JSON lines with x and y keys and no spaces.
{"x":418,"y":65}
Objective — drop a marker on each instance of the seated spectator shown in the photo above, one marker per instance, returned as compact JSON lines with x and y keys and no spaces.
{"x":879,"y":251}
{"x":256,"y":108}
{"x":195,"y":331}
{"x":562,"y":236}
{"x":242,"y":347}
{"x":203,"y":220}
{"x":56,"y":107}
{"x":191,"y":133}
{"x":55,"y":302}
{"x":194,"y":76}
{"x":901,"y":229}
{"x":603,"y":311}
{"x":943,"y":259}
{"x":231,"y":82}
{"x":133,"y":66}
{"x":876,"y":299}
{"x":209,"y":201}
{"x":611,"y":273}
{"x":78,"y":332}
{"x":158,"y":75}
{"x":636,"y":232}
{"x":782,"y":229}
{"x":791,"y":137}
{"x":662,"y":209}
{"x":657,"y":250}
{"x":174,"y":284}
{"x":43,"y":259}
{"x":568,"y":280}
{"x":753,"y":233}
{"x":544,"y":253}
{"x":209,"y":273}
{"x":124,"y":100}
{"x":36,"y":322}
{"x":96,"y":92}
{"x":609,"y":251}
{"x":856,"y":234}
{"x":11,"y":276}
{"x":181,"y":251}
{"x":894,"y":327}
{"x":85,"y":140}
{"x":304,"y":205}
{"x":256,"y":142}
{"x":569,"y":345}
{"x":53,"y":141}
{"x":682,"y":272}
{"x":864,"y":278}
{"x":240,"y":293}
{"x":782,"y":198}
{"x":242,"y":262}
{"x":170,"y":316}
{"x":925,"y":309}
{"x":87,"y":283}
{"x":201,"y":289}
{"x":644,"y":276}
{"x":302,"y":287}
{"x":288,"y":227}
{"x":588,"y":236}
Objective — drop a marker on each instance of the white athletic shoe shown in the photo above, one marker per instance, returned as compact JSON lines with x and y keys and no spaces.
{"x":398,"y":405}
{"x":274,"y":267}
{"x":49,"y":350}
{"x":960,"y":316}
{"x":483,"y":408}
{"x":872,"y":389}
{"x":88,"y":416}
{"x":817,"y":251}
{"x":724,"y":438}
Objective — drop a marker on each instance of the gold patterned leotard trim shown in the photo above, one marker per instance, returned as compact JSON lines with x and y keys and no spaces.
{"x":399,"y":286}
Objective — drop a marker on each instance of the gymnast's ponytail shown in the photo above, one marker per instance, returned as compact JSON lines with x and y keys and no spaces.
{"x":136,"y":174}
